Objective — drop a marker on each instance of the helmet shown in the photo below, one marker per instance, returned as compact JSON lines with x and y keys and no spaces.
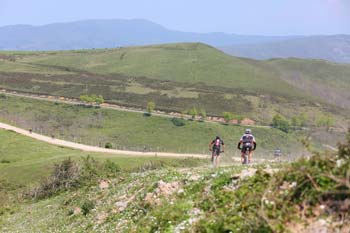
{"x":217,"y":137}
{"x":248,"y":131}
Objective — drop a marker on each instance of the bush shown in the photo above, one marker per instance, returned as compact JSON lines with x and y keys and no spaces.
{"x":66,"y":175}
{"x":87,"y":206}
{"x":110,"y":167}
{"x":5,"y":161}
{"x":108,"y":145}
{"x":150,"y":107}
{"x":228,"y":116}
{"x":178,"y":122}
{"x":281,"y":123}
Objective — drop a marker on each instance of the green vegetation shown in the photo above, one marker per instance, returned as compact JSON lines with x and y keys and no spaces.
{"x":323,"y":120}
{"x":258,"y":199}
{"x":228,"y":116}
{"x":29,"y":160}
{"x":133,"y":131}
{"x":150,"y":107}
{"x":183,"y":76}
{"x":280,"y":122}
{"x":92,"y":99}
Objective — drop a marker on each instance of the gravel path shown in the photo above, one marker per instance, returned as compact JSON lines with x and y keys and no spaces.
{"x":88,"y":148}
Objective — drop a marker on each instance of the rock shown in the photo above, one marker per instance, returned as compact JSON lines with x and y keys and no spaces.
{"x":101,"y":217}
{"x":121,"y":205}
{"x":194,"y":177}
{"x":77,"y":211}
{"x":166,"y":189}
{"x":104,"y":184}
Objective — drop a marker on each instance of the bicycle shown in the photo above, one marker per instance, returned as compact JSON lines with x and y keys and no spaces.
{"x":215,"y":156}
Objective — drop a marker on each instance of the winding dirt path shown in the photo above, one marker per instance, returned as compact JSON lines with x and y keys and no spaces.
{"x":88,"y":148}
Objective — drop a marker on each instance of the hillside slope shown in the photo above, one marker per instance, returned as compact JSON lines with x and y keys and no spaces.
{"x":281,"y":198}
{"x":177,"y":77}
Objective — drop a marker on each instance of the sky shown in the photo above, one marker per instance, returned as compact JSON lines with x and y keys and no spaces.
{"x":250,"y":17}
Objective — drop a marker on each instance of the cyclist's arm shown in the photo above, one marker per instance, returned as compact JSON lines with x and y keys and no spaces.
{"x":210,"y":144}
{"x":239,"y":145}
{"x":254,"y":145}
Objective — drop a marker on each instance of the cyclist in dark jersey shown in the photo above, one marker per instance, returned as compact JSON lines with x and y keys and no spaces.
{"x":247,"y":141}
{"x":215,"y":146}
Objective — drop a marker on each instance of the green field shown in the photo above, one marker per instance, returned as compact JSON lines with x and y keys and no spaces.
{"x":134,"y":131}
{"x":180,"y":76}
{"x":25,"y":161}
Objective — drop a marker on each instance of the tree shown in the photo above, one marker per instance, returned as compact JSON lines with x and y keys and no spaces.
{"x":150,"y":107}
{"x":193,"y":113}
{"x":281,"y":123}
{"x":202,"y":114}
{"x":99,"y":100}
{"x":228,"y":116}
{"x":299,"y":120}
{"x":92,"y":99}
{"x":324,"y":121}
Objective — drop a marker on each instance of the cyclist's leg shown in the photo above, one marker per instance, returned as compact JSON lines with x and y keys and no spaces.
{"x":242,"y":156}
{"x":250,"y":156}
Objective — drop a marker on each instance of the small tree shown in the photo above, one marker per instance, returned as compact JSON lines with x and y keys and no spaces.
{"x":202,"y":114}
{"x":150,"y":107}
{"x":228,"y":116}
{"x":325,"y":121}
{"x":281,"y":123}
{"x":193,"y":113}
{"x":99,"y":100}
{"x":93,"y":99}
{"x":299,"y":120}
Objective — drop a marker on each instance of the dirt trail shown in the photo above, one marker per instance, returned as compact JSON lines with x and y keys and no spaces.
{"x":88,"y":148}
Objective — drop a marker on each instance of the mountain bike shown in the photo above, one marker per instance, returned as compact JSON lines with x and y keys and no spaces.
{"x":215,"y":156}
{"x":247,"y":148}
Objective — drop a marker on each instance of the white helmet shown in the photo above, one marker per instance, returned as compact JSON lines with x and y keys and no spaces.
{"x":248,"y":131}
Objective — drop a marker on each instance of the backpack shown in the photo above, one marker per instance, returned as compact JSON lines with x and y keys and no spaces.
{"x":217,"y":143}
{"x":247,"y":139}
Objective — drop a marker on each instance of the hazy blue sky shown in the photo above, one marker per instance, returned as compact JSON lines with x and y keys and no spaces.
{"x":264,"y":17}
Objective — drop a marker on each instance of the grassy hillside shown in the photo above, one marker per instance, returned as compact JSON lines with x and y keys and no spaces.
{"x":319,"y":78}
{"x":233,"y":199}
{"x":25,"y":161}
{"x":178,"y":77}
{"x":126,"y":130}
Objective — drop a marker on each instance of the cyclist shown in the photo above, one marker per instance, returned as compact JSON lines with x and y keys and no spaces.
{"x":247,"y":141}
{"x":215,"y":147}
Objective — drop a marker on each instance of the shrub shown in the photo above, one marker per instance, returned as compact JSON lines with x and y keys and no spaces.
{"x":178,"y":122}
{"x":111,"y":167}
{"x":193,"y":112}
{"x":87,"y":206}
{"x":66,"y":175}
{"x":202,"y":114}
{"x":5,"y":161}
{"x":150,"y":107}
{"x":228,"y":116}
{"x":108,"y":145}
{"x":281,"y":123}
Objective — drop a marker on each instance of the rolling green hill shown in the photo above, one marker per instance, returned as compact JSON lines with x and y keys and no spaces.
{"x":180,"y":76}
{"x":134,"y":131}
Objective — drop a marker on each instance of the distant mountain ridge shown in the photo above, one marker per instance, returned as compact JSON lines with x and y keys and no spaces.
{"x":335,"y":48}
{"x":113,"y":33}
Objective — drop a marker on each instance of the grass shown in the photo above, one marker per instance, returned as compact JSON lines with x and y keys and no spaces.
{"x":134,"y":131}
{"x":30,"y":160}
{"x":203,"y":200}
{"x":178,"y":77}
